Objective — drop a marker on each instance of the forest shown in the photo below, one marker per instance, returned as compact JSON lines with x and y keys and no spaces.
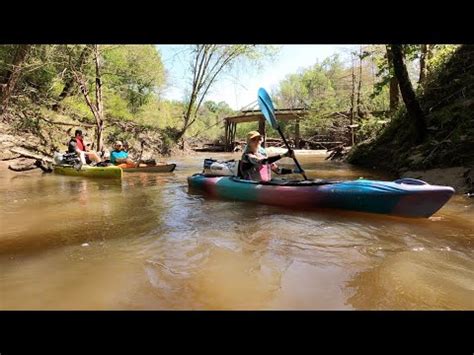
{"x":409,"y":105}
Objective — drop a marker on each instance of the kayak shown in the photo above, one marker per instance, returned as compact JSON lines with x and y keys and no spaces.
{"x":404,"y":197}
{"x":108,"y":172}
{"x":164,"y":168}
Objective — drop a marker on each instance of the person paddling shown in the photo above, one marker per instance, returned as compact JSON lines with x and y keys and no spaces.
{"x":77,"y":145}
{"x":119,"y":157}
{"x":255,"y":163}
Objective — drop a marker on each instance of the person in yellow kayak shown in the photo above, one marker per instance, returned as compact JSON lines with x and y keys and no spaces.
{"x":255,"y":163}
{"x":76,"y":145}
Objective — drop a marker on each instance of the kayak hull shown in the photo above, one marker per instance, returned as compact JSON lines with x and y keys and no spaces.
{"x":383,"y":197}
{"x":165,"y":168}
{"x":109,"y":172}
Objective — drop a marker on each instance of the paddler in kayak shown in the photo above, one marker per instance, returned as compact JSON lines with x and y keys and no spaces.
{"x":119,"y":157}
{"x":77,"y":145}
{"x":256,"y":165}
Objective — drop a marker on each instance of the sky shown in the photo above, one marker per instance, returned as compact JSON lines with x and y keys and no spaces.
{"x":240,"y":88}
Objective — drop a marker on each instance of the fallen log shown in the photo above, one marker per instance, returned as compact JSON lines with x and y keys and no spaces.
{"x":67,"y":123}
{"x":28,"y":154}
{"x":337,"y":153}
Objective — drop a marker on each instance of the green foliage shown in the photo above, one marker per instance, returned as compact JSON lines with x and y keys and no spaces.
{"x":442,"y":54}
{"x":326,"y":87}
{"x":135,"y":72}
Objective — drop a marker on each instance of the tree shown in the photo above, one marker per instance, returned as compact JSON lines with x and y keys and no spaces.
{"x":362,"y":54}
{"x":353,"y":77}
{"x":69,"y":80}
{"x":393,"y":83}
{"x":426,"y":53}
{"x":135,"y":72}
{"x":208,"y":62}
{"x":12,"y":76}
{"x":97,"y":107}
{"x":408,"y":94}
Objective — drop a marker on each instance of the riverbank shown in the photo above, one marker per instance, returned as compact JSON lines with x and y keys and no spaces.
{"x":31,"y":136}
{"x":445,"y":152}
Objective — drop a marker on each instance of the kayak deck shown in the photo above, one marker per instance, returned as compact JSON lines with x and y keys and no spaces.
{"x":164,"y":168}
{"x":108,"y":172}
{"x":407,"y":198}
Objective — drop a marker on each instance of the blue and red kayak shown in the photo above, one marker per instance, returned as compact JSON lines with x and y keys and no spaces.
{"x":405,"y":197}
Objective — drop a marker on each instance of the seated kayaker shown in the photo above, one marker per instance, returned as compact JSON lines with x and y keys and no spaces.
{"x":77,"y":145}
{"x":256,"y":164}
{"x":119,"y":157}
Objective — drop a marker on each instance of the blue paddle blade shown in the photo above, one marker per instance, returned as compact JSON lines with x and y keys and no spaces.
{"x":266,"y":106}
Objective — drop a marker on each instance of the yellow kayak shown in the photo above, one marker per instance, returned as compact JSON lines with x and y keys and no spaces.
{"x":108,"y":172}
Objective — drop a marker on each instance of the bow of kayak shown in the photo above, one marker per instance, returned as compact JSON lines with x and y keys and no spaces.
{"x":108,"y":172}
{"x":406,"y":197}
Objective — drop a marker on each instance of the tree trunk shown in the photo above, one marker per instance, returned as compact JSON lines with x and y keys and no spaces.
{"x":352,"y":100}
{"x":408,"y":94}
{"x":99,"y":101}
{"x":393,"y":86}
{"x":353,"y":92}
{"x":69,"y":80}
{"x":12,"y":76}
{"x":97,"y":106}
{"x":359,"y":103}
{"x":423,"y":58}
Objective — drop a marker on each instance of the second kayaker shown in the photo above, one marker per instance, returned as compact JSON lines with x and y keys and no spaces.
{"x":120,"y":157}
{"x":256,"y":164}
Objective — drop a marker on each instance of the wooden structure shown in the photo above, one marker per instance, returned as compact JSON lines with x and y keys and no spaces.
{"x":257,"y":116}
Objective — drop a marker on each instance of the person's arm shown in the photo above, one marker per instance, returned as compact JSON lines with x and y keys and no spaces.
{"x":256,"y":161}
{"x":270,"y":160}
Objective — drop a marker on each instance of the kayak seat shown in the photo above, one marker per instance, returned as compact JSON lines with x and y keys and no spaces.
{"x":410,"y":181}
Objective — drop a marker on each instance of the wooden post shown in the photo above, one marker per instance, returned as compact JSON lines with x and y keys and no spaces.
{"x":261,"y":129}
{"x":297,"y":134}
{"x":233,"y":130}
{"x":227,"y":145}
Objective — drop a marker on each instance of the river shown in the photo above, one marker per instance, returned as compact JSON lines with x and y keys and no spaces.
{"x":146,"y":243}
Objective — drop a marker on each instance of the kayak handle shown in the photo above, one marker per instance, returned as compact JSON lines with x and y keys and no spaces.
{"x":410,"y":181}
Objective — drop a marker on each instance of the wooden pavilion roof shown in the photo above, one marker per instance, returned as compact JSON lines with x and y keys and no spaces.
{"x":256,"y":115}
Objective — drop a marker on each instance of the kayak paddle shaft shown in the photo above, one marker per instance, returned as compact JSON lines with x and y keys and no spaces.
{"x":294,"y":158}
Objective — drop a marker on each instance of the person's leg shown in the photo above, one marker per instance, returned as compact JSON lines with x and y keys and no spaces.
{"x":127,"y":165}
{"x":82,"y":157}
{"x":93,"y":156}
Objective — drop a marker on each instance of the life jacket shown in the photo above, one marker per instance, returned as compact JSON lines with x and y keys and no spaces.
{"x":79,"y":145}
{"x":255,"y":172}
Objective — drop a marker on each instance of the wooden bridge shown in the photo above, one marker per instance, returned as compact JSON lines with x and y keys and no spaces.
{"x":296,"y":114}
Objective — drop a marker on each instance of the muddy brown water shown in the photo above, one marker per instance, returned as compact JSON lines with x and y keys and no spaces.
{"x":146,"y":243}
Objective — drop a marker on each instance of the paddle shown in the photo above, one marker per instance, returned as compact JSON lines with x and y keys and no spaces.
{"x":266,"y":106}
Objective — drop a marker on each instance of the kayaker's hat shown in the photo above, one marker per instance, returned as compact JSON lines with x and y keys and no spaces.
{"x":253,"y":134}
{"x":118,"y":143}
